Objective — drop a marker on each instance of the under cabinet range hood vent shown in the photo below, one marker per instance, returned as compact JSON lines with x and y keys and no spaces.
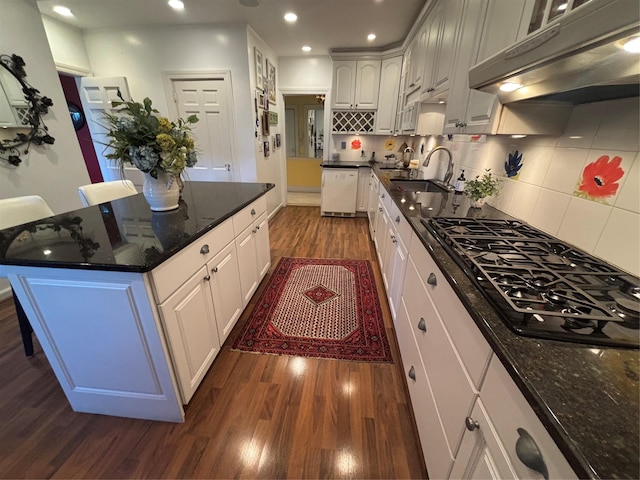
{"x":584,"y":56}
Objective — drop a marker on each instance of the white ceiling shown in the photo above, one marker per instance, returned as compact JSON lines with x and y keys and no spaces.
{"x":322,"y":24}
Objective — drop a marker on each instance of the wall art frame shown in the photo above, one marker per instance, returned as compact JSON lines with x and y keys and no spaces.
{"x":257,"y":57}
{"x":271,"y":78}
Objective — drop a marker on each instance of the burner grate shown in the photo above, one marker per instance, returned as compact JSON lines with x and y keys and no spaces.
{"x":542,"y":286}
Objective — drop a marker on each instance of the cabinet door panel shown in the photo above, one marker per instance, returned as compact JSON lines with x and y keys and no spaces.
{"x":247,"y":261}
{"x":344,"y":79}
{"x":446,"y":46}
{"x":388,"y":95}
{"x":193,"y":338}
{"x":225,"y":289}
{"x":481,"y":455}
{"x":367,"y":84}
{"x":263,"y":249}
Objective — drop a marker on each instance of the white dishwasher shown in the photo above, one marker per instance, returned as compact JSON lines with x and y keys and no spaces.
{"x":339,"y":191}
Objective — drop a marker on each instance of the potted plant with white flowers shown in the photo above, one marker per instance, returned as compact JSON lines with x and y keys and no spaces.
{"x":160,"y":148}
{"x":482,"y":187}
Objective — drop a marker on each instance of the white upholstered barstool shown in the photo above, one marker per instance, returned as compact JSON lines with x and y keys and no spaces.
{"x":96,"y":193}
{"x":16,"y":211}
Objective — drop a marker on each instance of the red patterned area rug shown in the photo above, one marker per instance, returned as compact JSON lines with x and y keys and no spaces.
{"x":323,"y":308}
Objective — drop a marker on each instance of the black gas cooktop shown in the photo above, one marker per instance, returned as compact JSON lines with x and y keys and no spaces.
{"x":541,"y":286}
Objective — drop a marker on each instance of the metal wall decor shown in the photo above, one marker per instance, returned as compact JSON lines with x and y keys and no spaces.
{"x":30,"y":117}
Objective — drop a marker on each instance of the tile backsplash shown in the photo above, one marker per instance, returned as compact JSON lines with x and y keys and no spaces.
{"x":596,"y":209}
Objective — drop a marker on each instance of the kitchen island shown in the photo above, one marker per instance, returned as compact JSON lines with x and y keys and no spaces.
{"x":585,"y":396}
{"x":126,"y":302}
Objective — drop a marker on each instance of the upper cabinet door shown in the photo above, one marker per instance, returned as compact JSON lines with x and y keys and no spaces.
{"x":388,"y":98}
{"x":344,"y":82}
{"x":367,"y":84}
{"x":452,"y":15}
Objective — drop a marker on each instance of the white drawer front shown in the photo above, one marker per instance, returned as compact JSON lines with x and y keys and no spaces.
{"x":168,"y":276}
{"x":248,"y":214}
{"x":469,"y":342}
{"x":434,"y":443}
{"x":401,"y":224}
{"x":453,"y":390}
{"x":509,"y":411}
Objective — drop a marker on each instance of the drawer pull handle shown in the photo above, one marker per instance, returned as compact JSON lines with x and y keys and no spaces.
{"x":253,"y":212}
{"x":254,"y":230}
{"x":204,"y":250}
{"x":412,"y":373}
{"x":380,"y":210}
{"x":257,"y":227}
{"x":398,"y":219}
{"x":382,"y":196}
{"x":432,"y":280}
{"x":529,"y":453}
{"x":393,"y":239}
{"x":471,"y":424}
{"x":207,"y":278}
{"x":214,"y":269}
{"x":422,"y":325}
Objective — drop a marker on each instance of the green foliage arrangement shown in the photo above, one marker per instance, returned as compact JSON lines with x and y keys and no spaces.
{"x":482,"y":187}
{"x":139,"y":136}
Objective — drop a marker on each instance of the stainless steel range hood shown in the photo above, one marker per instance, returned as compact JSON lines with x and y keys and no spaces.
{"x":577,"y":58}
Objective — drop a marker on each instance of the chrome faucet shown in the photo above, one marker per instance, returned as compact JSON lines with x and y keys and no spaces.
{"x":449,"y":174}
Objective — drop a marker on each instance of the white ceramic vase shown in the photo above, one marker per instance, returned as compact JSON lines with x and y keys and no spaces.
{"x":478,"y":203}
{"x":162,"y":193}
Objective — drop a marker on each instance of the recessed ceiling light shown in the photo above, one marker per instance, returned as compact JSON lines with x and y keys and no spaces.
{"x":510,"y":86}
{"x":176,"y":4}
{"x":371,"y":37}
{"x":518,"y":136}
{"x":306,"y":48}
{"x":562,"y":7}
{"x":290,"y":17}
{"x":64,"y":11}
{"x":632,"y":45}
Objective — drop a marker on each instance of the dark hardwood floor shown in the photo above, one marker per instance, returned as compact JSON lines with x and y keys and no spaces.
{"x":253,"y":416}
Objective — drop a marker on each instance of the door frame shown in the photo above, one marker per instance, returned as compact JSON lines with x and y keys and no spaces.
{"x":167,"y":81}
{"x":327,"y":125}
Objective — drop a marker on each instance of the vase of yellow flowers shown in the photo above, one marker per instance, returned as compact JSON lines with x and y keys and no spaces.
{"x":160,"y":148}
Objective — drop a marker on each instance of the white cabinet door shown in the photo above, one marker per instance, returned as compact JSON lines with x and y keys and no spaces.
{"x":432,"y":30}
{"x":225,"y":289}
{"x":481,"y":455}
{"x":247,"y":261}
{"x":372,"y":203}
{"x":417,"y":59}
{"x":367,"y":85}
{"x":190,"y":325}
{"x":356,"y":84}
{"x":362,"y":198}
{"x":263,"y":248}
{"x":446,"y":45}
{"x":398,"y":268}
{"x":344,"y":84}
{"x":381,"y":232}
{"x":387,"y":254}
{"x":388,"y":95}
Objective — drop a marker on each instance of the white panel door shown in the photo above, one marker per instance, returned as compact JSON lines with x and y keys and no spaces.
{"x":225,"y":289}
{"x":209,"y":100}
{"x":96,"y":94}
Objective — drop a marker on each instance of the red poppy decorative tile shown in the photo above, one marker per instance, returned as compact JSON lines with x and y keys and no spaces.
{"x":603,"y":176}
{"x":356,"y":144}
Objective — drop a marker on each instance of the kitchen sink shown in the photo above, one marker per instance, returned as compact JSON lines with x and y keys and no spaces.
{"x":404,"y":185}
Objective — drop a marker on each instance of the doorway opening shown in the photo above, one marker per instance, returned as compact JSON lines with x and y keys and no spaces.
{"x":305,"y":142}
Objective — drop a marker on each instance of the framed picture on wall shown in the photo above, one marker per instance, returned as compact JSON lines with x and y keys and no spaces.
{"x":261,"y":100}
{"x":257,"y":57}
{"x":266,"y":148}
{"x":278,"y":140}
{"x":265,"y":123}
{"x":271,"y":79}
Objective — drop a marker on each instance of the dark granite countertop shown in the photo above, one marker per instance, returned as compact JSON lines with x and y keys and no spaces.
{"x":362,"y":163}
{"x":588,"y":398}
{"x":125,"y":235}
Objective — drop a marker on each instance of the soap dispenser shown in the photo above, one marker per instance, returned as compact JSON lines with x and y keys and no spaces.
{"x":459,"y":185}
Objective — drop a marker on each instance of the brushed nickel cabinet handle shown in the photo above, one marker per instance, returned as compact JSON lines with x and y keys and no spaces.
{"x":412,"y":373}
{"x":214,"y":269}
{"x":432,"y":280}
{"x":205,"y":249}
{"x":253,"y":212}
{"x":471,"y":424}
{"x":422,"y":325}
{"x":207,"y":278}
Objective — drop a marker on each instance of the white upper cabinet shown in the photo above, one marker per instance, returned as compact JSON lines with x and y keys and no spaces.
{"x":356,"y":84}
{"x":388,"y":95}
{"x":416,"y":56}
{"x":487,"y":27}
{"x":451,"y":12}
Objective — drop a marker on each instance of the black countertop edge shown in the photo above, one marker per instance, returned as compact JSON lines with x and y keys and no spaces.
{"x":363,"y":163}
{"x":512,"y":350}
{"x":78,"y":265}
